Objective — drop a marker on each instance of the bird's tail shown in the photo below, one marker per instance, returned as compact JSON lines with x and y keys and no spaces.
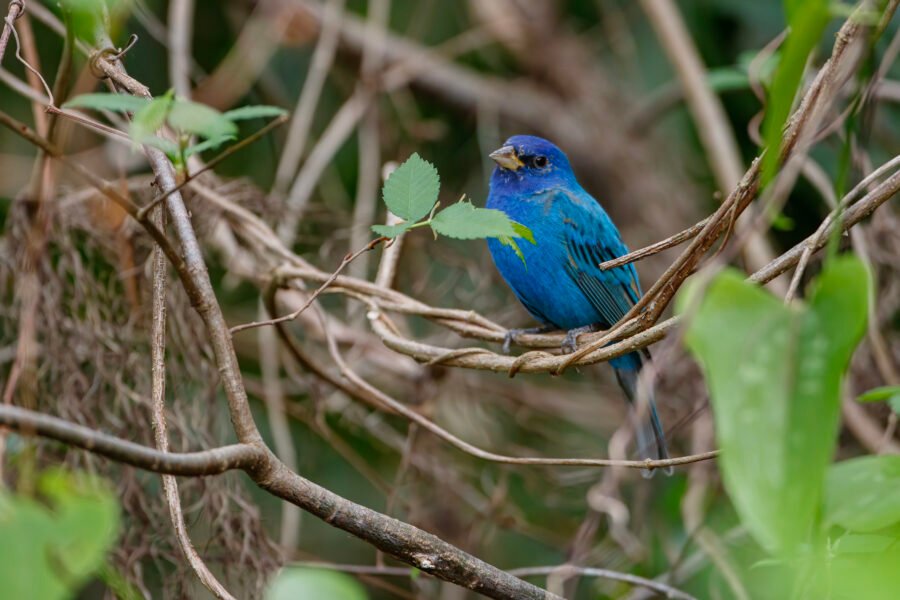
{"x":651,"y":441}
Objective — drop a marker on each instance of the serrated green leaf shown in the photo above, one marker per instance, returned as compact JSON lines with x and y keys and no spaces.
{"x":412,"y":189}
{"x":254,"y":112}
{"x":508,"y":241}
{"x":205,"y":145}
{"x":392,"y":231}
{"x":150,"y":118}
{"x":863,"y":494}
{"x":116,"y":102}
{"x":464,"y":221}
{"x":523,"y":231}
{"x":199,"y":119}
{"x":880,"y":394}
{"x":774,"y":374}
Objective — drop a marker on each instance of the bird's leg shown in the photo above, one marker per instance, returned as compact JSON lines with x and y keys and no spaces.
{"x":571,"y":340}
{"x":512,"y":334}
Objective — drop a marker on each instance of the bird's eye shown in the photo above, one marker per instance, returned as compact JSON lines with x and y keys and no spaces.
{"x":540,"y":161}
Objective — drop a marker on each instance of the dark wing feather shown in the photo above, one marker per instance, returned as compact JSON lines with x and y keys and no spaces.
{"x":591,"y":238}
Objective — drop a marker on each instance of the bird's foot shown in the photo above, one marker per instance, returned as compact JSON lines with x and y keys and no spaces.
{"x":513,"y":334}
{"x":570,"y":343}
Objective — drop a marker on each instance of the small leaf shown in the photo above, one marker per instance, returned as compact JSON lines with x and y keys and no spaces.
{"x":880,"y":394}
{"x":205,"y":145}
{"x":863,"y":494}
{"x":508,"y":241}
{"x":167,"y":146}
{"x":894,"y":403}
{"x":199,"y":119}
{"x":392,"y":231}
{"x":254,"y":112}
{"x":523,"y":231}
{"x":150,"y":118}
{"x":412,"y":189}
{"x":466,"y":222}
{"x":116,"y":102}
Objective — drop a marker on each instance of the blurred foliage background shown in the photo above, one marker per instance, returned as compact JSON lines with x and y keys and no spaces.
{"x":589,"y":74}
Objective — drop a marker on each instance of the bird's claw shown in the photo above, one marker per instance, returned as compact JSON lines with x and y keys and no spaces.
{"x":508,"y":339}
{"x":570,"y":342}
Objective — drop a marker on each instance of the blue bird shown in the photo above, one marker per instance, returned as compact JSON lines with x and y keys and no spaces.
{"x":560,"y":283}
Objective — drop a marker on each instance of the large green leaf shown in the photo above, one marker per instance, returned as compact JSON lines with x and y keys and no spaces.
{"x":774,"y":375}
{"x":863,"y":494}
{"x":300,"y":583}
{"x":48,"y":550}
{"x":412,"y":189}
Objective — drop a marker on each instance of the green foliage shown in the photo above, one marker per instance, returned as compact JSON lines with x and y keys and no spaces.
{"x":294,"y":583}
{"x":806,"y":21}
{"x":49,"y":548}
{"x":186,"y":117}
{"x":774,"y":375}
{"x":254,"y":112}
{"x":863,"y":494}
{"x":887,"y":393}
{"x":150,"y":118}
{"x":114,"y":102}
{"x":199,"y":119}
{"x":411,"y":193}
{"x":412,"y":189}
{"x":464,"y":221}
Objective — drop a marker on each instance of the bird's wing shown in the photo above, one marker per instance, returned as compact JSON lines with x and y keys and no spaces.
{"x":591,"y":238}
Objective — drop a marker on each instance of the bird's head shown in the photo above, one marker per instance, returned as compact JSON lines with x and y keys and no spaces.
{"x":530,"y":164}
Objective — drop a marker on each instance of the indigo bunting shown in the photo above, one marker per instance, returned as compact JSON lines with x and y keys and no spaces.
{"x":560,"y":283}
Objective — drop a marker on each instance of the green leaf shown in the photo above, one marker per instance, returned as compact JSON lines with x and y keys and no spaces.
{"x":863,"y":494}
{"x":295,"y":582}
{"x":514,"y":246}
{"x":167,"y":146}
{"x":894,"y":403}
{"x":254,"y":112}
{"x":522,"y":231}
{"x":50,"y":549}
{"x":774,"y":375}
{"x":150,"y":118}
{"x":806,"y":20}
{"x":392,"y":231}
{"x":210,"y":144}
{"x":412,"y":189}
{"x":116,"y":102}
{"x":880,"y":394}
{"x":466,"y":222}
{"x":199,"y":119}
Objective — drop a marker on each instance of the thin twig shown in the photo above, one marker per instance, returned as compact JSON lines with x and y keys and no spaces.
{"x":158,"y":406}
{"x":312,"y":298}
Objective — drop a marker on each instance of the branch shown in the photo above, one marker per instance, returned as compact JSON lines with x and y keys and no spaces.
{"x":187,"y":464}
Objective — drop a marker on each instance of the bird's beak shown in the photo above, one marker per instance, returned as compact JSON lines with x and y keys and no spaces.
{"x":506,"y":157}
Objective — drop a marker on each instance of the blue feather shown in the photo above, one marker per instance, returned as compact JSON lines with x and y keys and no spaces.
{"x":560,"y":283}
